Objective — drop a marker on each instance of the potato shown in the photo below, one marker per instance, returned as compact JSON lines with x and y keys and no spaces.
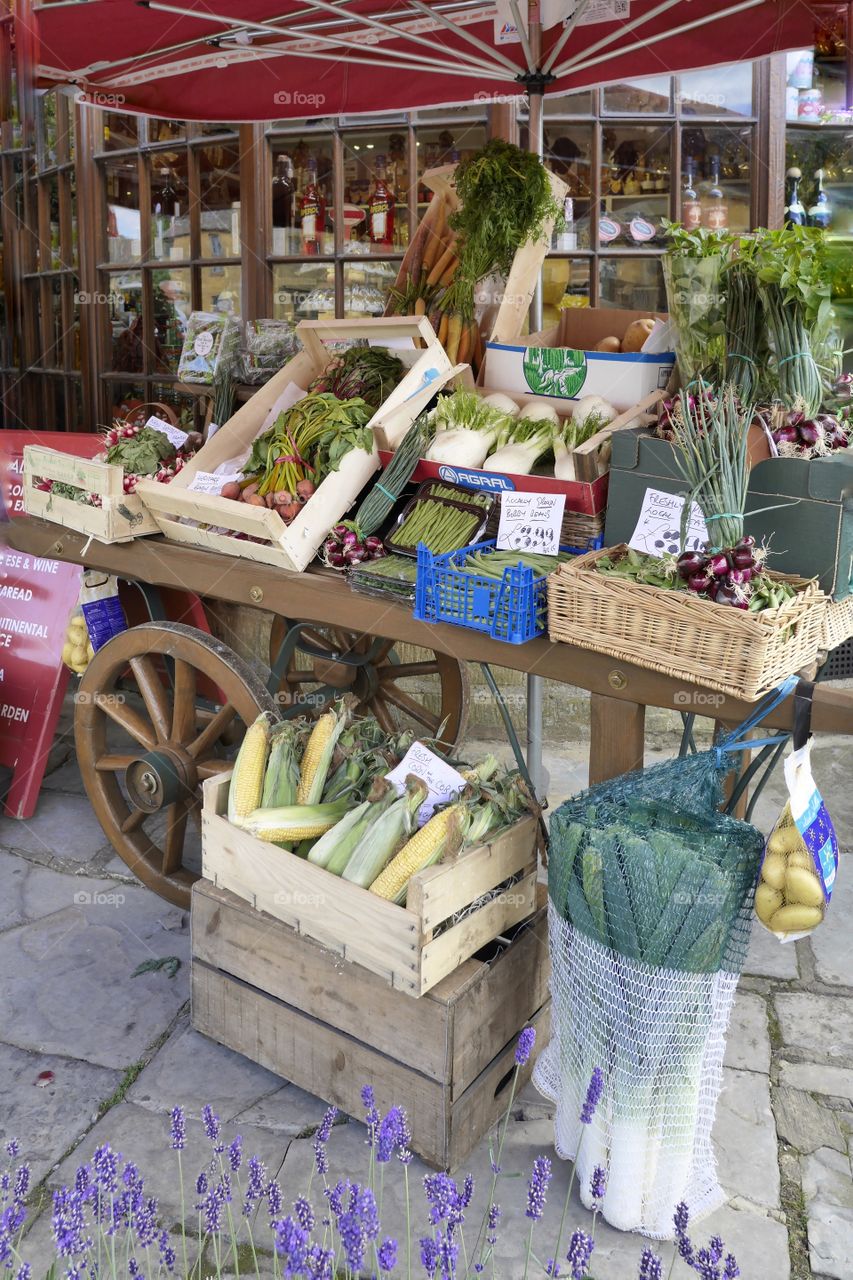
{"x":67,"y":650}
{"x":795,"y":918}
{"x":79,"y":656}
{"x":785,"y":840}
{"x":608,"y":344}
{"x":255,"y":500}
{"x":801,"y":858}
{"x":803,"y":886}
{"x":773,"y":870}
{"x":637,"y":333}
{"x":767,"y":901}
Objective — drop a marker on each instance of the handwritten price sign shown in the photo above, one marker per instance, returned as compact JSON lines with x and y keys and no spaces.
{"x":659,"y":525}
{"x":531,"y":522}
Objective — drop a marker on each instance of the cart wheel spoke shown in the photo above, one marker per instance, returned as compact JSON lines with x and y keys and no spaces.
{"x":153,"y":694}
{"x":163,"y":777}
{"x":301,"y":677}
{"x":212,"y":767}
{"x":212,"y":731}
{"x":391,"y":674}
{"x":184,"y":710}
{"x":119,"y":710}
{"x":113,"y":764}
{"x":378,"y":707}
{"x":382,"y":651}
{"x":411,"y":706}
{"x":176,"y":827}
{"x":134,"y":820}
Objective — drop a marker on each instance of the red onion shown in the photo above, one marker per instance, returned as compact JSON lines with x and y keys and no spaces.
{"x":719,"y":565}
{"x":699,"y":582}
{"x":787,"y":435}
{"x":724,"y":595}
{"x":355,"y":556}
{"x":690,"y":562}
{"x":339,"y":531}
{"x":746,"y":541}
{"x":740,"y":577}
{"x":372,"y":543}
{"x":810,"y":432}
{"x":334,"y":557}
{"x":350,"y":539}
{"x":742,"y":558}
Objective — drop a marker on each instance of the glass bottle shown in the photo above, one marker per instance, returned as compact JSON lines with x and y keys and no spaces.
{"x":691,"y":209}
{"x":312,"y":208}
{"x":567,"y":238}
{"x":380,"y":208}
{"x":795,"y":214}
{"x":715,"y":215}
{"x":820,"y":214}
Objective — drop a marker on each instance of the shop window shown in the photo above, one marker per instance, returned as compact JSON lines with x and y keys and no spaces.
{"x":170,"y":207}
{"x":570,"y":104}
{"x":366,"y":286}
{"x":219,"y":200}
{"x":376,"y":191}
{"x":565,"y":283}
{"x":302,"y":197}
{"x":717,"y":91}
{"x":635,"y":185}
{"x":303,"y":290}
{"x":118,"y":132}
{"x":123,"y":221}
{"x":220,"y":289}
{"x":649,"y":96}
{"x":633,"y":284}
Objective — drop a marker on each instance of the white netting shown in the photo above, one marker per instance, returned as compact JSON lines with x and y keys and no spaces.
{"x":659,"y":1037}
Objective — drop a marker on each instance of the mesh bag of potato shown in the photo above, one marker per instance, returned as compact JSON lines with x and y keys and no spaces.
{"x":800,"y":859}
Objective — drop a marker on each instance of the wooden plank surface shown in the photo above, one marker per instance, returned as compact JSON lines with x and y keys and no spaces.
{"x":322,"y":596}
{"x":442,"y":955}
{"x":436,"y":893}
{"x":617,"y":736}
{"x":104,"y":478}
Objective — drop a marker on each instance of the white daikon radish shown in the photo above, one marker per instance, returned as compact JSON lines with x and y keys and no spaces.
{"x":540,"y":411}
{"x":461,"y":447}
{"x":593,"y":406}
{"x":497,"y":400}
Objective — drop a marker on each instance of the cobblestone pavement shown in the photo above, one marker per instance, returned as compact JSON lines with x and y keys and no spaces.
{"x":74,"y":928}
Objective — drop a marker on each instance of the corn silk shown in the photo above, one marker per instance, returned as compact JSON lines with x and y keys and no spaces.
{"x":650,"y":901}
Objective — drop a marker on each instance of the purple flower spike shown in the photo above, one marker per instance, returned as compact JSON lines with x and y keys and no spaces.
{"x":291,"y":1244}
{"x":22,"y":1182}
{"x":235,"y":1153}
{"x":210,"y":1122}
{"x":325,"y":1130}
{"x":598,"y":1185}
{"x":552,"y":1269}
{"x":304,"y":1214}
{"x":524,"y":1048}
{"x":275,"y":1200}
{"x":593,"y":1095}
{"x":319,"y":1264}
{"x":387,"y":1255}
{"x":24,"y":1272}
{"x":392,"y":1134}
{"x":731,"y":1270}
{"x":681,"y":1219}
{"x":429,"y":1255}
{"x":13,"y":1146}
{"x":372,"y":1117}
{"x":651,"y":1266}
{"x":492,"y":1224}
{"x":580,"y":1251}
{"x":537,"y":1187}
{"x":178,"y":1129}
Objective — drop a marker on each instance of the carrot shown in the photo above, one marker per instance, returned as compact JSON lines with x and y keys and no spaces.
{"x":434,"y":236}
{"x":449,"y":274}
{"x":448,"y":257}
{"x":443,"y":329}
{"x":466,"y":344}
{"x":454,"y":334}
{"x":420,"y":307}
{"x":478,"y":353}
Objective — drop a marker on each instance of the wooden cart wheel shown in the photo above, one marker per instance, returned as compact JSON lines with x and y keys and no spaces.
{"x":321,"y":662}
{"x":146,"y":741}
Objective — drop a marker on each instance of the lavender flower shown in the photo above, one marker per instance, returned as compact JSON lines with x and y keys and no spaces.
{"x":211,"y":1125}
{"x":651,"y":1266}
{"x":598,"y":1185}
{"x":580,"y":1251}
{"x":429,"y":1255}
{"x":387,"y":1255}
{"x":22,"y":1182}
{"x":448,"y":1252}
{"x":319,"y":1263}
{"x":178,"y":1129}
{"x":392,"y":1132}
{"x":211,"y":1207}
{"x":201,"y":1184}
{"x":593,"y":1095}
{"x":13,"y":1146}
{"x":167,"y":1253}
{"x":235,"y":1153}
{"x":255,"y":1184}
{"x":105,"y":1166}
{"x":538,"y":1186}
{"x":291,"y":1243}
{"x":24,"y":1272}
{"x":325,"y":1130}
{"x":731,"y":1269}
{"x":552,"y":1269}
{"x":524,"y":1047}
{"x":304,"y":1214}
{"x":275,"y":1199}
{"x":134,"y":1270}
{"x":372,"y":1117}
{"x":445,"y":1202}
{"x":492,"y":1224}
{"x":68,"y":1223}
{"x":716,"y":1249}
{"x":82,"y":1178}
{"x":681,"y":1219}
{"x":321,"y":1160}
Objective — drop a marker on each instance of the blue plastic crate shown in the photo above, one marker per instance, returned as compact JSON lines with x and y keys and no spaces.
{"x":513,"y":609}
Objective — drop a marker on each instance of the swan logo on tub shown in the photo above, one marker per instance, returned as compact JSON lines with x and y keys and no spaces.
{"x":474,"y":479}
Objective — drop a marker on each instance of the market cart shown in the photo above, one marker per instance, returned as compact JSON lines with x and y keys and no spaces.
{"x":324,"y":635}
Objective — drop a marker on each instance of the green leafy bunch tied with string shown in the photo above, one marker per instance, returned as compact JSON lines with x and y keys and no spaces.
{"x":506,"y":200}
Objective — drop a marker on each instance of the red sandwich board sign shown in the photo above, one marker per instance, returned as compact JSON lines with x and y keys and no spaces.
{"x":36,"y":597}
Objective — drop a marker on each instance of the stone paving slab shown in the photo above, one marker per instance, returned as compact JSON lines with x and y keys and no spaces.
{"x":831,"y":942}
{"x":768,"y":957}
{"x":828,"y":1192}
{"x":29,"y":891}
{"x":745,"y":1140}
{"x":47,"y":1119}
{"x":804,"y":1124}
{"x":63,"y":829}
{"x":748,"y":1043}
{"x":820,"y":1026}
{"x":66,"y":984}
{"x":833,"y":1082}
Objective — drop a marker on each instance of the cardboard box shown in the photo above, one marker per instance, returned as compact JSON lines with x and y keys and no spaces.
{"x":802,"y":509}
{"x":558,"y":362}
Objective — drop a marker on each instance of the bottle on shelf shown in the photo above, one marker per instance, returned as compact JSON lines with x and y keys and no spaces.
{"x":715,"y":215}
{"x":691,"y":209}
{"x":820,"y":214}
{"x":380,"y":208}
{"x":312,"y":209}
{"x":567,"y":238}
{"x":795,"y":214}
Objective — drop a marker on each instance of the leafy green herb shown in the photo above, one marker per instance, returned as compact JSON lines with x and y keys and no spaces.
{"x":695,"y":294}
{"x":143,"y":453}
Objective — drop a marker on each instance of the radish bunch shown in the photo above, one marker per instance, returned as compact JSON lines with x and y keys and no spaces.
{"x":802,"y":437}
{"x":343,"y":549}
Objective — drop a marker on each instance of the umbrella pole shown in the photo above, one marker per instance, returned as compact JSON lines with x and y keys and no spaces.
{"x":535,"y":100}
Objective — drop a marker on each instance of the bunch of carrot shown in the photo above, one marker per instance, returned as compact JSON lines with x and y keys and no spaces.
{"x":423,"y":286}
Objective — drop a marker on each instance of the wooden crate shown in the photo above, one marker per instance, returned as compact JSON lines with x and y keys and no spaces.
{"x":330,"y":1027}
{"x":120,"y":517}
{"x":401,"y":944}
{"x":213,"y":521}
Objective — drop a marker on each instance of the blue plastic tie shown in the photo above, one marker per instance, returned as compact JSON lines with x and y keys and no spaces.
{"x":387,"y":492}
{"x":796,"y":356}
{"x":736,"y":741}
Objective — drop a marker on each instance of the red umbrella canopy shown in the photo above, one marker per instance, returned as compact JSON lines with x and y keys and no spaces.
{"x":274,"y":59}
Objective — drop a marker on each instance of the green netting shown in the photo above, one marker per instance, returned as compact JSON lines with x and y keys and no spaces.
{"x":648,"y":866}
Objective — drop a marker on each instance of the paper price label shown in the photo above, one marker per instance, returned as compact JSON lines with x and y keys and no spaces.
{"x":174,"y":435}
{"x":658,"y":528}
{"x":211,"y":481}
{"x":203,"y":344}
{"x":443,"y":781}
{"x":531,"y":522}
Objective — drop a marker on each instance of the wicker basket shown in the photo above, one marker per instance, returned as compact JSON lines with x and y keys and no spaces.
{"x":837,"y":623}
{"x":739,"y":653}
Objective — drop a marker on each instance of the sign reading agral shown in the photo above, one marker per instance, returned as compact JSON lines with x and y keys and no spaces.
{"x":36,"y":598}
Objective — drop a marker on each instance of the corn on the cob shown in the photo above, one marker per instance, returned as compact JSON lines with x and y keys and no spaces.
{"x":384,"y":837}
{"x":443,"y":834}
{"x":294,"y":822}
{"x":318,"y":754}
{"x":247,"y":780}
{"x":282,"y":775}
{"x":334,"y":849}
